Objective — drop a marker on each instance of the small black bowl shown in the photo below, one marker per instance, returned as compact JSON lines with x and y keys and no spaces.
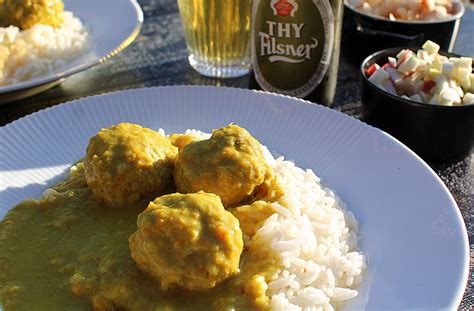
{"x":436,"y":133}
{"x":371,"y":33}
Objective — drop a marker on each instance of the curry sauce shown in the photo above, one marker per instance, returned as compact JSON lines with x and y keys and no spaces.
{"x":66,"y":251}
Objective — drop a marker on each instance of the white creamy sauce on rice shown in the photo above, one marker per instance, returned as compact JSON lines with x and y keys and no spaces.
{"x":30,"y":53}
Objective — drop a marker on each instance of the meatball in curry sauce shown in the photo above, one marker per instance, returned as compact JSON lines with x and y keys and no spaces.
{"x":230,"y":164}
{"x":188,"y":240}
{"x":119,"y":251}
{"x":126,"y":163}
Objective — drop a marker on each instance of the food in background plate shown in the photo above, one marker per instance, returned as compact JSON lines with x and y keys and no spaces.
{"x":3,"y":19}
{"x":405,"y":9}
{"x":293,"y":251}
{"x":37,"y":37}
{"x":426,"y":76}
{"x":27,"y":13}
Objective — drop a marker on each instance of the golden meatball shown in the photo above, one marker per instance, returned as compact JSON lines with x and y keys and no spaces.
{"x":126,"y":163}
{"x":26,"y":13}
{"x":230,"y":164}
{"x":187,"y":240}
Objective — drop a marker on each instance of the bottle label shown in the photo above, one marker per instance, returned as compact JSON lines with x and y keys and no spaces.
{"x":292,"y":43}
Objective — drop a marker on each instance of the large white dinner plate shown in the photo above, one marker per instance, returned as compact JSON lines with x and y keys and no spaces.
{"x":410,"y":227}
{"x":111,"y":24}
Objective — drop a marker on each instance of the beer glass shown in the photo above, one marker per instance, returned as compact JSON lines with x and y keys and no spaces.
{"x":217,"y":36}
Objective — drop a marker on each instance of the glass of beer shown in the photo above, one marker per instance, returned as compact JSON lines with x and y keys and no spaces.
{"x":218,"y":36}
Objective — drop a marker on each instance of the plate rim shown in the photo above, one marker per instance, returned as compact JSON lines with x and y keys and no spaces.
{"x":465,"y":269}
{"x":69,"y":71}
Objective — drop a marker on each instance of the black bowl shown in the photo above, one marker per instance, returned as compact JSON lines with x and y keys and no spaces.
{"x":371,"y":33}
{"x":436,"y":133}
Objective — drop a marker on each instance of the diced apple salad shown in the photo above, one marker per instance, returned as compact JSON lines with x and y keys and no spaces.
{"x":406,"y":9}
{"x":426,"y":76}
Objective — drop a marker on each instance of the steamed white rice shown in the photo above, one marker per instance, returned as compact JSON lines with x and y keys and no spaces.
{"x":316,"y":239}
{"x":26,"y":54}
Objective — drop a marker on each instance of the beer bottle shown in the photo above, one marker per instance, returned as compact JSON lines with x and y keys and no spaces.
{"x":295,"y":47}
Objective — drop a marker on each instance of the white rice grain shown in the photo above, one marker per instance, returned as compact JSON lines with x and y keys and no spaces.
{"x":316,"y":240}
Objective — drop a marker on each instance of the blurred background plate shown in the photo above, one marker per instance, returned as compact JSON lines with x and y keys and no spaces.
{"x":409,"y":224}
{"x":111,"y":24}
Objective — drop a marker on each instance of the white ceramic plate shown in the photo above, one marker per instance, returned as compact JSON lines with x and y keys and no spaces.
{"x":111,"y":24}
{"x":410,"y":226}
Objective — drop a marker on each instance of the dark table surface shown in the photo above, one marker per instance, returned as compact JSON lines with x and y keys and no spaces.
{"x":159,"y":57}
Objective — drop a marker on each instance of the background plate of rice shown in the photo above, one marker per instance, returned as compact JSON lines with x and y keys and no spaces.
{"x":410,"y":228}
{"x":111,"y":26}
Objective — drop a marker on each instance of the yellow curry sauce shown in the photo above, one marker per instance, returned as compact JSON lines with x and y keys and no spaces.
{"x":66,"y":251}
